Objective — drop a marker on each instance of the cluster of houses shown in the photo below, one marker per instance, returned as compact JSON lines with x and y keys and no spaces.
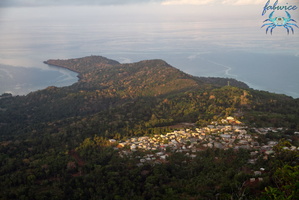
{"x":232,"y":134}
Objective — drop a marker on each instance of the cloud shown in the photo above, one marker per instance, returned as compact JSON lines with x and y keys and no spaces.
{"x":225,"y":2}
{"x":9,"y":3}
{"x":30,"y":3}
{"x":188,"y":2}
{"x":216,"y":2}
{"x":244,"y":2}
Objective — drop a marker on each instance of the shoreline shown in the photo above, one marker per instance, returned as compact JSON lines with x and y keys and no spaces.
{"x":20,"y":81}
{"x":79,"y":76}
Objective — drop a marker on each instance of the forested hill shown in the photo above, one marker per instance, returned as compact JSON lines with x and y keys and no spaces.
{"x":54,"y":142}
{"x":150,"y":92}
{"x":83,"y":65}
{"x":149,"y":77}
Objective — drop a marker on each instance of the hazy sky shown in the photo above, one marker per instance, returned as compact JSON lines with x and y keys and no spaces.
{"x":121,"y":2}
{"x":193,"y":35}
{"x":230,"y":22}
{"x":223,"y":8}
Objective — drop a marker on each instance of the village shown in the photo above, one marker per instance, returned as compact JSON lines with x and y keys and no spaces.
{"x":231,"y":133}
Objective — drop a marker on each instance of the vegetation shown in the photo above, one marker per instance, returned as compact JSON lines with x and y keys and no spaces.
{"x":53,"y":142}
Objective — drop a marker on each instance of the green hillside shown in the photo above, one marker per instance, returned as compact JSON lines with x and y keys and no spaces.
{"x":148,"y":92}
{"x":55,"y":141}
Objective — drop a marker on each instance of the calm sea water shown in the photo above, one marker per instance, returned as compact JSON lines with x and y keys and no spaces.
{"x":21,"y":80}
{"x":234,"y":47}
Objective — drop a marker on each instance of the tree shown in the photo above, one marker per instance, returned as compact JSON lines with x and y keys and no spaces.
{"x":286,"y":180}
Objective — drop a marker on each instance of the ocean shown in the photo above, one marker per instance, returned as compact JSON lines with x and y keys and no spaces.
{"x":21,"y":80}
{"x":198,"y":45}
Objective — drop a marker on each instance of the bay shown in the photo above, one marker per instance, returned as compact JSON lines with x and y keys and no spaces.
{"x":21,"y":81}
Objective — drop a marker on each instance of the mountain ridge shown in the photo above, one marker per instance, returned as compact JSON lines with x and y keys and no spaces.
{"x":159,"y":93}
{"x":93,"y":65}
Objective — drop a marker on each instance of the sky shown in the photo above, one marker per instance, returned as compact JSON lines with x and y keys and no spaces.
{"x":223,"y":14}
{"x":221,"y":7}
{"x":123,"y":2}
{"x":213,"y":7}
{"x":186,"y":33}
{"x":235,"y":22}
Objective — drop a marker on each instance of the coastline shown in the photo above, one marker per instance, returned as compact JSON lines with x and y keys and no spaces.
{"x":20,"y":81}
{"x":79,"y":75}
{"x":44,"y":80}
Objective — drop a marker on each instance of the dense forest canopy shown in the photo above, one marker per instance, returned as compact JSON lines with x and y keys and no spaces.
{"x":54,"y":142}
